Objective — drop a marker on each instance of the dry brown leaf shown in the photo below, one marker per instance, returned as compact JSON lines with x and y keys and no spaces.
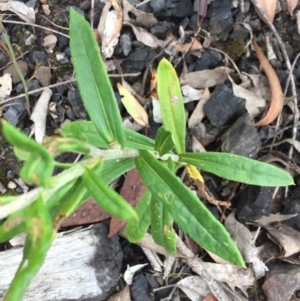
{"x":269,"y":7}
{"x":254,"y":103}
{"x":206,"y":78}
{"x":123,"y":295}
{"x":276,"y":91}
{"x":118,"y":26}
{"x":140,"y":18}
{"x":145,"y":37}
{"x":292,"y":4}
{"x":187,"y":47}
{"x":133,"y":107}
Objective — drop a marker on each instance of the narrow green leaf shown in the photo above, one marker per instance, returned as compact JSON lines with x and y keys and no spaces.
{"x":111,"y":201}
{"x":136,"y":230}
{"x":37,"y":244}
{"x":162,"y":226}
{"x":87,"y":132}
{"x":39,"y":167}
{"x":163,"y":141}
{"x":186,"y":209}
{"x":171,"y":103}
{"x":94,"y":85}
{"x":238,"y":168}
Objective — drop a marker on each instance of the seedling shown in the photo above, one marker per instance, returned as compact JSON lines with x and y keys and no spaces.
{"x":109,"y":150}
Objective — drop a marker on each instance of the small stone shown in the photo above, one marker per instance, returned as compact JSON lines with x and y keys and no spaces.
{"x":2,"y":188}
{"x":38,"y":57}
{"x":15,"y":113}
{"x":3,"y":60}
{"x":11,"y":175}
{"x":43,"y":75}
{"x":11,"y":185}
{"x":85,"y":5}
{"x":14,"y":74}
{"x":32,"y":85}
{"x":76,"y":103}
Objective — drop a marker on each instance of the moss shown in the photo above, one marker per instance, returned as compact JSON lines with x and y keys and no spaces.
{"x":235,"y":49}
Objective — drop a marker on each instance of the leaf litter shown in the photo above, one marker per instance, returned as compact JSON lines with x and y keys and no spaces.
{"x":255,"y":94}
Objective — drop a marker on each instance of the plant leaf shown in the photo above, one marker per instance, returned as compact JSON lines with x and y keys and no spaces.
{"x":133,"y":107}
{"x":94,"y":85}
{"x":107,"y":198}
{"x":38,"y":242}
{"x":238,"y":168}
{"x":163,"y":141}
{"x":135,"y":230}
{"x":186,"y":209}
{"x":86,"y":131}
{"x":39,"y":166}
{"x":171,"y":103}
{"x":162,"y":226}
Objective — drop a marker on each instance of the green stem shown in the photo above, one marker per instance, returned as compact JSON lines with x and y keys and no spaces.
{"x":13,"y":57}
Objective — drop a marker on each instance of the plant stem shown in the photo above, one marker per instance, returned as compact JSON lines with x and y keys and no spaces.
{"x":18,"y":69}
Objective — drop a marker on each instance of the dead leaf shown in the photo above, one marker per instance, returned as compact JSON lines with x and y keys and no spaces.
{"x":243,"y":238}
{"x":130,"y":271}
{"x":123,"y":295}
{"x":210,"y":297}
{"x":206,"y":78}
{"x":46,"y":9}
{"x":254,"y":103}
{"x":145,"y":37}
{"x":292,"y":4}
{"x":133,"y":107}
{"x":198,"y":114}
{"x":194,"y":287}
{"x":19,"y":8}
{"x":286,"y":238}
{"x":188,"y":47}
{"x":134,"y":126}
{"x":277,"y":95}
{"x":156,"y":110}
{"x":140,"y":18}
{"x":5,"y":85}
{"x":39,"y":115}
{"x":132,"y":190}
{"x":190,"y":94}
{"x":266,"y":220}
{"x":269,"y":7}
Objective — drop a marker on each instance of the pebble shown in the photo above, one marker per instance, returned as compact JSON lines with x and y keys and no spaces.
{"x":14,"y":74}
{"x":38,"y":57}
{"x":43,"y":75}
{"x":15,"y":114}
{"x":11,"y":185}
{"x":85,"y":5}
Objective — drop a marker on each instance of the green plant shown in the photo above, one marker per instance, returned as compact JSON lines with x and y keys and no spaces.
{"x":108,"y":151}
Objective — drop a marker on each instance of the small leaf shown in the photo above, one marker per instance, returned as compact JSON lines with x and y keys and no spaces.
{"x":186,"y":209}
{"x":171,"y":103}
{"x":135,"y":230}
{"x":107,"y":198}
{"x":162,"y":226}
{"x":94,"y":85}
{"x":133,"y":107}
{"x":39,"y":166}
{"x":238,"y":168}
{"x":37,"y":244}
{"x":163,"y":141}
{"x":87,"y":132}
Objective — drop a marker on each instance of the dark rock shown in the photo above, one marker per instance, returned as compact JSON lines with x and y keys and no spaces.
{"x":56,"y":97}
{"x":210,"y":59}
{"x":253,"y":202}
{"x":266,"y":132}
{"x":70,"y":113}
{"x":19,"y":190}
{"x":184,"y":23}
{"x":38,"y":57}
{"x":172,"y":8}
{"x":190,"y":107}
{"x":16,"y":113}
{"x":62,"y":19}
{"x":220,"y":19}
{"x":194,"y":20}
{"x":3,"y":60}
{"x":85,"y":5}
{"x":139,"y":59}
{"x":223,"y":107}
{"x":32,"y":85}
{"x":62,"y":42}
{"x":242,"y":138}
{"x":255,"y":24}
{"x":76,"y":103}
{"x":161,"y":30}
{"x":140,"y":289}
{"x":292,"y":204}
{"x":31,"y":3}
{"x":11,"y":175}
{"x":239,"y":32}
{"x":61,"y":89}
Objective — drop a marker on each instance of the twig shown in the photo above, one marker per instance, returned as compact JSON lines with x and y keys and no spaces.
{"x":92,"y":13}
{"x":63,"y":83}
{"x":18,"y":69}
{"x":35,"y":25}
{"x":58,"y":26}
